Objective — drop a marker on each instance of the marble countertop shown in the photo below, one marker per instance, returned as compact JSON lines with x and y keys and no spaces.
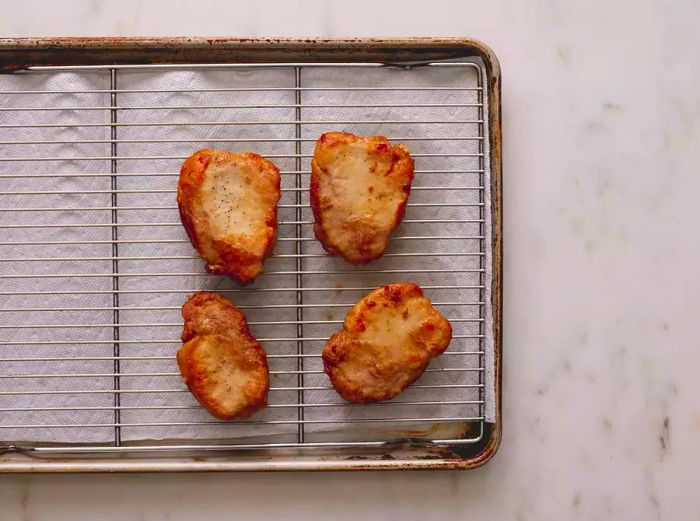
{"x":601,"y":151}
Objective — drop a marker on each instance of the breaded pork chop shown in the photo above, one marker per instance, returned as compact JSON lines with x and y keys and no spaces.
{"x":387,"y":340}
{"x":359,"y":189}
{"x":228,"y":205}
{"x":222,"y":364}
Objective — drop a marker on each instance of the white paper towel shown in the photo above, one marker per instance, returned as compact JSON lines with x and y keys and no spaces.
{"x":142,"y":333}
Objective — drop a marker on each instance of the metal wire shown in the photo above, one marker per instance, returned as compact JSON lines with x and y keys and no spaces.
{"x":240,"y":89}
{"x":47,"y":291}
{"x":37,"y":175}
{"x":284,"y":339}
{"x":155,"y":158}
{"x":271,"y":406}
{"x":220,"y":140}
{"x":184,"y":391}
{"x":113,"y":114}
{"x":219,"y":107}
{"x":172,"y":207}
{"x":233,"y":123}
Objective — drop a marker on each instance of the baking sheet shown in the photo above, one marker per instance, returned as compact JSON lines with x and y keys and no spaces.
{"x":164,"y":158}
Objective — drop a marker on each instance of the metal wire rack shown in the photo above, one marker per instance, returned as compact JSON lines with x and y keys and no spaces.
{"x":95,"y":264}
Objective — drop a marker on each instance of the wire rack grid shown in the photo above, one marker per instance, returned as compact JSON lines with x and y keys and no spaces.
{"x":95,"y":264}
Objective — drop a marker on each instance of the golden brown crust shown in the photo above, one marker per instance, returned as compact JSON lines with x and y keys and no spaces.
{"x":359,"y":188}
{"x":387,"y":341}
{"x":228,"y":206}
{"x":221,"y":363}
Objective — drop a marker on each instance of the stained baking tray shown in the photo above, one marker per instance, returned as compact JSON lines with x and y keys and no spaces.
{"x":94,"y":264}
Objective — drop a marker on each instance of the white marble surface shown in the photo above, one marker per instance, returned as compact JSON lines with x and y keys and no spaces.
{"x":602,"y":147}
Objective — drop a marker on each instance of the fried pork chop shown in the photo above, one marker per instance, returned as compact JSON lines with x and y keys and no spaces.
{"x":387,"y":340}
